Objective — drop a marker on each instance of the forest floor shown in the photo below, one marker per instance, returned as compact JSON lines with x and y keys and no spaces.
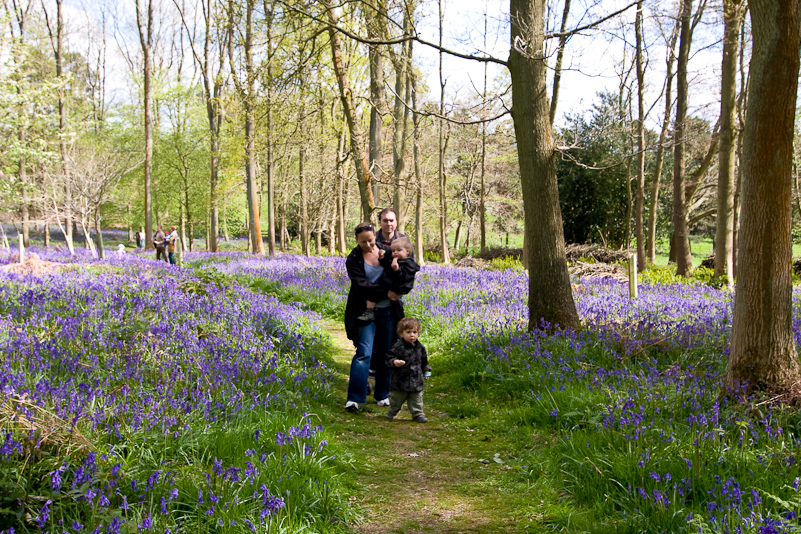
{"x":444,"y":476}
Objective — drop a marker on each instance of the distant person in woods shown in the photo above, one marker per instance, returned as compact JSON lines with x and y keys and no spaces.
{"x":371,"y":338}
{"x":408,"y":360}
{"x":172,"y":243}
{"x":159,"y":241}
{"x":399,"y":271}
{"x":138,"y":238}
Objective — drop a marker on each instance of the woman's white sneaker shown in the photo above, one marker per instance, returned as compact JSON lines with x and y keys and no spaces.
{"x":384,"y":402}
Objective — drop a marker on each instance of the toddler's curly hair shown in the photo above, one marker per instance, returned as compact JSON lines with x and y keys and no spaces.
{"x":408,"y":323}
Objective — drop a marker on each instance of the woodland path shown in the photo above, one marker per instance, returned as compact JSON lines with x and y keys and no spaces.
{"x":439,"y":477}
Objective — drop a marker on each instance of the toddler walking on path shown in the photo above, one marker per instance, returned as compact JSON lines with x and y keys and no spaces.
{"x":408,"y":360}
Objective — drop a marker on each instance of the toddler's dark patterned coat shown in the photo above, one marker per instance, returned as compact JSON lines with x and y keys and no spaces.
{"x":410,"y":377}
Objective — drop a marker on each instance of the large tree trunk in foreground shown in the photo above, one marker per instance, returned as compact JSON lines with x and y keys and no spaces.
{"x":763,"y":354}
{"x":724,"y":231}
{"x":550,"y":296}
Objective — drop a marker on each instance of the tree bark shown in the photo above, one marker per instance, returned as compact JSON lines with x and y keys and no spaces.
{"x":557,"y":71}
{"x":349,"y":109}
{"x":724,"y":231}
{"x":304,"y":207}
{"x":681,"y":237}
{"x":101,"y":251}
{"x":145,"y":28}
{"x":376,"y":30}
{"x":270,"y":178}
{"x":443,"y":144}
{"x":550,"y":298}
{"x":763,"y":353}
{"x":639,"y":201}
{"x":400,"y":118}
{"x":248,"y":94}
{"x":653,"y":207}
{"x":57,"y":40}
{"x":418,"y":175}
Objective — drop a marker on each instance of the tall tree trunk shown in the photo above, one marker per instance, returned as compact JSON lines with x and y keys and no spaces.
{"x":214,"y":165}
{"x":101,"y":251}
{"x":225,"y":224}
{"x":23,"y":181}
{"x":639,"y":202}
{"x":130,"y":224}
{"x":724,"y":231}
{"x":57,"y":40}
{"x":560,"y":53}
{"x":457,"y":239}
{"x":339,"y":193}
{"x":284,"y":230}
{"x":482,"y":201}
{"x":343,"y":214}
{"x":303,"y":225}
{"x":443,"y":145}
{"x":212,"y":86}
{"x":376,"y":30}
{"x":738,"y":172}
{"x":653,"y":207}
{"x":763,"y":353}
{"x":270,"y":177}
{"x":400,"y":116}
{"x":418,"y":177}
{"x":349,"y":109}
{"x":145,"y":28}
{"x":550,"y":297}
{"x":681,"y":236}
{"x":20,"y":15}
{"x":254,"y":217}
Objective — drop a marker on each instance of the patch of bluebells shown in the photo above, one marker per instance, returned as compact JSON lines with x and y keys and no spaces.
{"x":120,"y":351}
{"x":474,"y":299}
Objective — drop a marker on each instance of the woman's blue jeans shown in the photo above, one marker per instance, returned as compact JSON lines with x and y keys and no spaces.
{"x":378,"y":335}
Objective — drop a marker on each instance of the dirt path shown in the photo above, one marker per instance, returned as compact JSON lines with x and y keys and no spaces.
{"x":441,"y":477}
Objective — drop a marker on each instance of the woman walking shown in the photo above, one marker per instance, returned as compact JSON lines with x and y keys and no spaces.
{"x":373,"y":337}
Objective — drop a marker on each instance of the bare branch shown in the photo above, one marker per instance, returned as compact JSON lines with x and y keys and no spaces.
{"x":591,"y":24}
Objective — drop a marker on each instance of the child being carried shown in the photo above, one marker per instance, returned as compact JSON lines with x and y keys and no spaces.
{"x":399,"y":272}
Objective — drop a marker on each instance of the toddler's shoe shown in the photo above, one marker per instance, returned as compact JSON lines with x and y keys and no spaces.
{"x":420,"y":418}
{"x":368,"y":316}
{"x":383,"y":402}
{"x":390,"y":416}
{"x":351,"y":406}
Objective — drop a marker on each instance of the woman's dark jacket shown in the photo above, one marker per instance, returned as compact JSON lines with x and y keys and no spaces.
{"x":411,"y":376}
{"x":362,"y":290}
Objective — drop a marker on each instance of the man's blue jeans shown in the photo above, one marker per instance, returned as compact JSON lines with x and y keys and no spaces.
{"x":376,"y":335}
